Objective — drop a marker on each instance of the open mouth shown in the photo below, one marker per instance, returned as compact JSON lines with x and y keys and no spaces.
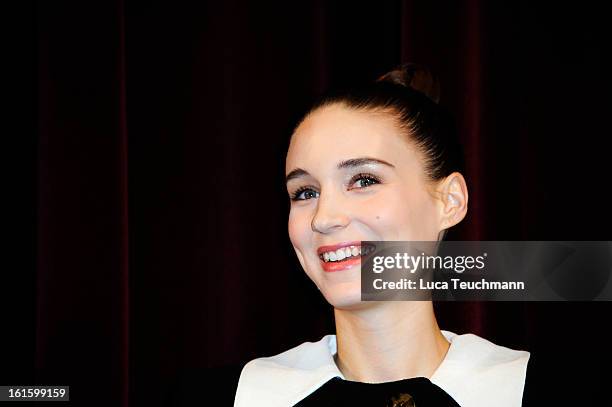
{"x":345,"y":253}
{"x":334,"y":258}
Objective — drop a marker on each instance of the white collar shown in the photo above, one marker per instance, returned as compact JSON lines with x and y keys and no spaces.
{"x":475,"y":372}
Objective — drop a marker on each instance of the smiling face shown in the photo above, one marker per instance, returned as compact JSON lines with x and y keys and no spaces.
{"x":352,"y":176}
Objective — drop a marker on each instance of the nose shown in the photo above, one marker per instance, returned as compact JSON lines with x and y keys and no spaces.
{"x":331,"y":214}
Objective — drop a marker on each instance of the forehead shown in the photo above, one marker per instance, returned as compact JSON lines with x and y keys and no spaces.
{"x":335,"y":133}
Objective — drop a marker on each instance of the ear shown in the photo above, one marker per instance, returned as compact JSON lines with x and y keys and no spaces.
{"x":453,"y":196}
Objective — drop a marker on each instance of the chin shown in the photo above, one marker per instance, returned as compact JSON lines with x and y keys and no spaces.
{"x":344,"y":296}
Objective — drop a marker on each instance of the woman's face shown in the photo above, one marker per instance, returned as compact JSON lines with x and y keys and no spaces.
{"x":353,"y":176}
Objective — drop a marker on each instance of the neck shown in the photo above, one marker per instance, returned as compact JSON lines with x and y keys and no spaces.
{"x":389,"y":341}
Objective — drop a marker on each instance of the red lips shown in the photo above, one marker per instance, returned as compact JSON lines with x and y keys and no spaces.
{"x":339,"y":265}
{"x":335,"y":247}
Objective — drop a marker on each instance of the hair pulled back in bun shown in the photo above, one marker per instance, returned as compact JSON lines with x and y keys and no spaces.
{"x":416,"y":77}
{"x":410,"y":95}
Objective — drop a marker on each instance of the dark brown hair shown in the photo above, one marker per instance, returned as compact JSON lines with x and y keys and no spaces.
{"x":410,"y":94}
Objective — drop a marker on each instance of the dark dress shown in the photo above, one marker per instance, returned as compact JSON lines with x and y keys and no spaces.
{"x":417,"y":391}
{"x":194,"y":387}
{"x":550,"y":381}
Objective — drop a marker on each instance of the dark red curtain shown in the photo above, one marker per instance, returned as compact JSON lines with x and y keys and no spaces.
{"x":160,"y":226}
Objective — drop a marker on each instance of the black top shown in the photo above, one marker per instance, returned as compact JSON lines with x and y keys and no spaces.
{"x":550,"y":381}
{"x":418,"y":391}
{"x":194,"y":387}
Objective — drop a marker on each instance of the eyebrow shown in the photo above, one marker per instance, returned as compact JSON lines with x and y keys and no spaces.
{"x":350,"y":163}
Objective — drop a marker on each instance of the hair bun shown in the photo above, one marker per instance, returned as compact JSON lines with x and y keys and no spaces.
{"x":416,"y":77}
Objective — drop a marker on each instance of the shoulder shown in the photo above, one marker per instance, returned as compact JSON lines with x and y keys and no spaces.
{"x":287,"y":377}
{"x":199,"y":386}
{"x":477,"y":354}
{"x":478,"y":372}
{"x":307,"y":355}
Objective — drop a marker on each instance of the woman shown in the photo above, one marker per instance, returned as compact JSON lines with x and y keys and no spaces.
{"x":378,"y":163}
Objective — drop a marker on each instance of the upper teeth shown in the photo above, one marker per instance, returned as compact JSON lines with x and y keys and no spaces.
{"x":344,"y":252}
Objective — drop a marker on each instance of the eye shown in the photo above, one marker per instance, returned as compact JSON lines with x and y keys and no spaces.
{"x":303,"y":194}
{"x":365,"y":180}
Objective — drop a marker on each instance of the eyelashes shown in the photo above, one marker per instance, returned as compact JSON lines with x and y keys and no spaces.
{"x":296,"y":195}
{"x":369,"y":178}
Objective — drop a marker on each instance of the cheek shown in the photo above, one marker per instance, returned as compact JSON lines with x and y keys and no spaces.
{"x":401,"y":215}
{"x":422,"y":219}
{"x":299,"y":228}
{"x":300,"y":235}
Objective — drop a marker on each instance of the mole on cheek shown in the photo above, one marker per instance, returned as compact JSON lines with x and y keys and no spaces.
{"x":377,"y":217}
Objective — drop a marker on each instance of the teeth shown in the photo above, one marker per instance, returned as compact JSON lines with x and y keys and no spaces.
{"x":345,"y":252}
{"x":340,"y":254}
